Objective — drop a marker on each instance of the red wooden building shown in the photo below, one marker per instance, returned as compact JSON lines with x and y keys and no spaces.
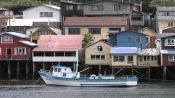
{"x":15,"y":46}
{"x":167,"y":49}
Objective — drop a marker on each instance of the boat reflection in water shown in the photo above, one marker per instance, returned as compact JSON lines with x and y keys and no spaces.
{"x":61,"y":75}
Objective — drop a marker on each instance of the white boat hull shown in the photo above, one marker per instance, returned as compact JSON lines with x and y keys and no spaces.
{"x":50,"y":80}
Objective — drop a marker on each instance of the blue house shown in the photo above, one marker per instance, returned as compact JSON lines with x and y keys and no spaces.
{"x":128,"y":39}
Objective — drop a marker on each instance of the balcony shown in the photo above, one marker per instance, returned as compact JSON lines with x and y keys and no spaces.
{"x":15,"y":57}
{"x":54,"y":58}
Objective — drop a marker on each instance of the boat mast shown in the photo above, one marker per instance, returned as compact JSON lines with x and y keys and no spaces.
{"x":77,"y":61}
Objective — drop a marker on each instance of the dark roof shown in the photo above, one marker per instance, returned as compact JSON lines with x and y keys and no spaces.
{"x":96,"y":21}
{"x":112,"y":1}
{"x":114,"y":32}
{"x":165,"y":35}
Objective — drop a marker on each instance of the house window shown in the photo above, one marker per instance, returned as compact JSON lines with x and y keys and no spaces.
{"x":130,"y":59}
{"x":69,"y":7}
{"x":144,"y":58}
{"x":138,"y":39}
{"x":170,"y":42}
{"x":97,"y":7}
{"x":115,"y":29}
{"x":117,"y":7}
{"x":73,"y":31}
{"x":172,"y":58}
{"x":46,"y":14}
{"x":95,"y":30}
{"x":170,"y":24}
{"x":97,"y":57}
{"x":100,"y":48}
{"x":118,"y":59}
{"x":20,"y":51}
{"x":136,"y":18}
{"x":6,"y":39}
{"x":42,"y":33}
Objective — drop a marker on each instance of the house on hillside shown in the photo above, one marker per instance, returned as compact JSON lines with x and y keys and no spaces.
{"x":35,"y":32}
{"x":167,"y":49}
{"x":165,"y":19}
{"x":15,"y":46}
{"x":128,"y":39}
{"x":97,"y":56}
{"x":57,"y":50}
{"x":150,"y":35}
{"x":49,"y":15}
{"x":97,"y":26}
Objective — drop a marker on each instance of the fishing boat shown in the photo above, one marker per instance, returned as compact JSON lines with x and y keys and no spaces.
{"x":64,"y":76}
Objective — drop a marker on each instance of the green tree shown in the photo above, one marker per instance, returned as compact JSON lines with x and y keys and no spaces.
{"x":88,"y":38}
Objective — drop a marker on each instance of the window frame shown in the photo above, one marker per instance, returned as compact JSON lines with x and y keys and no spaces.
{"x":74,"y":31}
{"x":170,"y":42}
{"x":94,"y":31}
{"x":6,"y":39}
{"x":100,"y":48}
{"x":19,"y":49}
{"x":97,"y":57}
{"x":46,"y":14}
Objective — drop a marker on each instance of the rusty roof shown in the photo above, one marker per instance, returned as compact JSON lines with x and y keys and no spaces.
{"x":96,"y":21}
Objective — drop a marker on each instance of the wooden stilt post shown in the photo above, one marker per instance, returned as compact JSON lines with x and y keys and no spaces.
{"x":33,"y":70}
{"x":99,"y":69}
{"x":112,"y":71}
{"x":132,"y":73}
{"x":27,"y":70}
{"x":17,"y":75}
{"x":164,"y":72}
{"x":1,"y":69}
{"x":44,"y":66}
{"x":9,"y":73}
{"x":149,"y":73}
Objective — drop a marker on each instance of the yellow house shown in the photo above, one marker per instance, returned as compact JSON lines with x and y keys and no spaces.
{"x":151,"y":36}
{"x":98,"y":55}
{"x":97,"y":26}
{"x":165,"y":19}
{"x":35,"y":32}
{"x":123,"y":56}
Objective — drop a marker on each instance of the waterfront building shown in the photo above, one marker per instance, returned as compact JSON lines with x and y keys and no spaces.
{"x":97,"y":26}
{"x":15,"y":52}
{"x":167,"y":48}
{"x":97,"y":56}
{"x":57,"y":50}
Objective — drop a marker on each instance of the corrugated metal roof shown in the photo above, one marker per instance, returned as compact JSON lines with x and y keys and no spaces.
{"x":29,"y":43}
{"x":28,"y":22}
{"x":21,"y":35}
{"x":123,"y":50}
{"x":96,"y":21}
{"x":148,"y":51}
{"x":167,"y":51}
{"x":52,"y":6}
{"x":59,"y":43}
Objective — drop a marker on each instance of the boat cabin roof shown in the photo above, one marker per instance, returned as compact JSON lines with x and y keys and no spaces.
{"x":59,"y":67}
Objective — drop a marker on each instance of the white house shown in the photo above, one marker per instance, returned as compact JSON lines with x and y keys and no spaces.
{"x":36,"y":16}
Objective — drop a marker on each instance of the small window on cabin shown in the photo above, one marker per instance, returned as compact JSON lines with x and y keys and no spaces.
{"x":95,"y":30}
{"x":138,"y":39}
{"x":46,"y":14}
{"x":121,"y":58}
{"x":55,"y":69}
{"x":20,"y":51}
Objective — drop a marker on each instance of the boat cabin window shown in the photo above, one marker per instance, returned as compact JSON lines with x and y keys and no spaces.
{"x":55,"y":70}
{"x":59,"y":70}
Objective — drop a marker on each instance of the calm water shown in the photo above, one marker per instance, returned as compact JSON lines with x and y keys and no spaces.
{"x":143,"y":90}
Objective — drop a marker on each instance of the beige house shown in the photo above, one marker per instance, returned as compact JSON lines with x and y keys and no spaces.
{"x":165,"y":19}
{"x":97,"y":26}
{"x":123,"y":56}
{"x":98,"y":53}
